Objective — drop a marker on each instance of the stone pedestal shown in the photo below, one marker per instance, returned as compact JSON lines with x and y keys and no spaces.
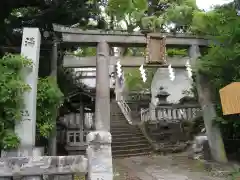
{"x":99,"y":156}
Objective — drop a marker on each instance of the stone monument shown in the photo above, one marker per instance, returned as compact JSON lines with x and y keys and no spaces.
{"x":26,"y":128}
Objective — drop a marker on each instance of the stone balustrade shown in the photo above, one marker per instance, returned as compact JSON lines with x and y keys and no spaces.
{"x":170,"y":113}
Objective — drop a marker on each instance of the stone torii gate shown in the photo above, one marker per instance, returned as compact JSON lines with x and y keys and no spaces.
{"x":155,"y":44}
{"x":99,"y":142}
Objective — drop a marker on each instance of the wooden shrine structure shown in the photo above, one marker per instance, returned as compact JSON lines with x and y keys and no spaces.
{"x":98,"y":161}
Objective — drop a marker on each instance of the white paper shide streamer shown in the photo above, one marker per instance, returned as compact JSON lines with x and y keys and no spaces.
{"x":171,"y":73}
{"x":143,"y":73}
{"x":119,"y":69}
{"x":189,"y":69}
{"x":119,"y":66}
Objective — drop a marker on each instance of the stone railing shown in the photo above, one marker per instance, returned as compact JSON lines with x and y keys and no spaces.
{"x":126,"y":110}
{"x":170,"y":113}
{"x":145,"y":115}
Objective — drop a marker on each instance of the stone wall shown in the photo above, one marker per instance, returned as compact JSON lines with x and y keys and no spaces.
{"x":169,"y":138}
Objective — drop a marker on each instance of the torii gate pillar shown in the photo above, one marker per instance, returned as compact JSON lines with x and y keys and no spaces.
{"x":99,"y":150}
{"x":102,"y":106}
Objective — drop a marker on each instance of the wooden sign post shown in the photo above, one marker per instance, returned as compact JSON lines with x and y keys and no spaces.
{"x":230,"y":98}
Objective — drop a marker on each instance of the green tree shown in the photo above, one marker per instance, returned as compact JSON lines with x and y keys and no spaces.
{"x":221,"y":62}
{"x":12,"y":87}
{"x":41,"y":14}
{"x":154,"y":15}
{"x":133,"y":79}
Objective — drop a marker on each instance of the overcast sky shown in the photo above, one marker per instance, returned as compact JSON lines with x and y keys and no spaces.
{"x":206,"y":4}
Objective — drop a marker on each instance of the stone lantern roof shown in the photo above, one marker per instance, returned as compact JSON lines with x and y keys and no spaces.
{"x":162,"y":96}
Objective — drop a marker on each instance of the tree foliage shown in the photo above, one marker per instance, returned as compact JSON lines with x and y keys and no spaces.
{"x":133,"y":79}
{"x":154,"y":15}
{"x":12,"y":87}
{"x":42,"y":13}
{"x":221,"y":62}
{"x":49,"y":99}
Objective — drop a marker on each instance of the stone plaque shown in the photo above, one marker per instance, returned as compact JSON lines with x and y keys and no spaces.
{"x":230,"y":98}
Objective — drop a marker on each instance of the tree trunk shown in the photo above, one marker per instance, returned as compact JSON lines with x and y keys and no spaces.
{"x":209,"y":114}
{"x":208,"y":108}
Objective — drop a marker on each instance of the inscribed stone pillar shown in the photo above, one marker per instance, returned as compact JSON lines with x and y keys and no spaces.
{"x":26,"y":128}
{"x":99,"y":150}
{"x":209,"y":113}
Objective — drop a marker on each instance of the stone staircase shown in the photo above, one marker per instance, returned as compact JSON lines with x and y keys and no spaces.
{"x":127,"y":140}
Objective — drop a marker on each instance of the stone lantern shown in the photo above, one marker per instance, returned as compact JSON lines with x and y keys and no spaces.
{"x":162,"y":96}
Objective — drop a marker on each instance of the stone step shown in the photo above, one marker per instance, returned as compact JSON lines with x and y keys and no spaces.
{"x":118,"y":142}
{"x":127,"y":138}
{"x":128,"y":147}
{"x":122,"y":120}
{"x":126,"y":134}
{"x":115,"y":118}
{"x":127,"y":152}
{"x":119,"y":124}
{"x":119,"y":121}
{"x":131,"y":154}
{"x":117,"y":113}
{"x":124,"y":129}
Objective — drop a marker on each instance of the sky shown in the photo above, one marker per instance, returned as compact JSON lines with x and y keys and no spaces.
{"x":206,"y":4}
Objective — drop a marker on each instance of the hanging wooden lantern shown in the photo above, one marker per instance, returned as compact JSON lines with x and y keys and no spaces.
{"x":230,"y":98}
{"x":155,"y":50}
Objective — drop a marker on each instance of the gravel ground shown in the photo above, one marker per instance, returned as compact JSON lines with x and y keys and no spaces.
{"x":170,"y":167}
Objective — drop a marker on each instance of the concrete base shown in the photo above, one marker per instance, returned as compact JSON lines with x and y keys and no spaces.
{"x":23,"y":152}
{"x":99,"y":155}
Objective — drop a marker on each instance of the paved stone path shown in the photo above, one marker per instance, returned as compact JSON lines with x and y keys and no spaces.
{"x":172,"y":167}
